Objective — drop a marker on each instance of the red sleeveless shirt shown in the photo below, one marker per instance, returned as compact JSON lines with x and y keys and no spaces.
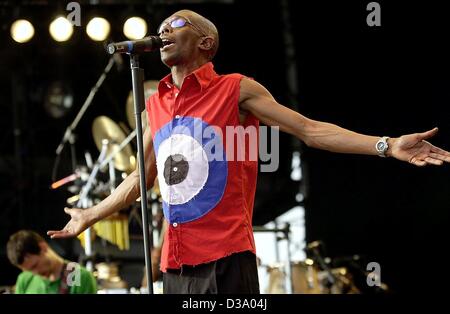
{"x":208,"y":193}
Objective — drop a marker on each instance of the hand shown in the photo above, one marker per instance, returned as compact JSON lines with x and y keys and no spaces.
{"x":78,"y":223}
{"x":156,"y":273}
{"x":414,"y":149}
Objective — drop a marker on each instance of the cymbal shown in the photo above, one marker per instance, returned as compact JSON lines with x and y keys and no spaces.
{"x":105,"y":128}
{"x":150,"y":87}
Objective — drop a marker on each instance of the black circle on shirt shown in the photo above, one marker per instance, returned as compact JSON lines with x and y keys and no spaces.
{"x":176,"y":169}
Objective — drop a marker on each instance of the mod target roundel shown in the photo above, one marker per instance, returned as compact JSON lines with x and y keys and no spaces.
{"x":192,"y":168}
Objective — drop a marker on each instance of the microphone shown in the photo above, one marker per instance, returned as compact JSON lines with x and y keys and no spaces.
{"x":146,"y":44}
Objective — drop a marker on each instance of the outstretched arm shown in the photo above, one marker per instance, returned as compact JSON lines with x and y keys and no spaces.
{"x":124,"y":195}
{"x":412,"y":148}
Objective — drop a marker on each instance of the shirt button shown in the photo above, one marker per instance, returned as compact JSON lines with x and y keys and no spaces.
{"x":175,"y":225}
{"x":176,"y":94}
{"x":177,"y":116}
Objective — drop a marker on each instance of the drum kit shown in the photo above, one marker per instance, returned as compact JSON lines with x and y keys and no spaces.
{"x":320,"y":275}
{"x":94,"y":181}
{"x":308,"y":278}
{"x":107,"y":275}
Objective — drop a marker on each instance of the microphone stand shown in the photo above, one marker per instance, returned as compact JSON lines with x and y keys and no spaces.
{"x":137,"y":77}
{"x":68,"y":134}
{"x":331,"y":278}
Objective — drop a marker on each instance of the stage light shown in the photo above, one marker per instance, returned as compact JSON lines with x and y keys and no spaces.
{"x":135,"y":28}
{"x":61,"y":29}
{"x":22,"y":31}
{"x":98,"y":29}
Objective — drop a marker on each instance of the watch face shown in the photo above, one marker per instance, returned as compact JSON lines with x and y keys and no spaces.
{"x":380,"y":146}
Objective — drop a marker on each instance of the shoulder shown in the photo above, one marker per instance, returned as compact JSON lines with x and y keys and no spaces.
{"x":225,"y":78}
{"x":23,"y":281}
{"x":87,"y":282}
{"x":25,"y":276}
{"x":86,"y":273}
{"x":232,"y":76}
{"x":151,"y":99}
{"x":250,"y":89}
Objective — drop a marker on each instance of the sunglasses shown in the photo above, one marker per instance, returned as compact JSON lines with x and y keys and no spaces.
{"x":179,"y":22}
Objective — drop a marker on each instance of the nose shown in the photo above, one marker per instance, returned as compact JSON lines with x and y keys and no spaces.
{"x":165,"y":28}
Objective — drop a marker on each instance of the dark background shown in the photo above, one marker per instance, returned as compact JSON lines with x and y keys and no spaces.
{"x":387,"y":80}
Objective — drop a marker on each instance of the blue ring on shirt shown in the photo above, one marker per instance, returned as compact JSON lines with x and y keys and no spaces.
{"x":212,"y":192}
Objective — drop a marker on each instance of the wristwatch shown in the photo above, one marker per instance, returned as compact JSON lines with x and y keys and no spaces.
{"x":382,"y":146}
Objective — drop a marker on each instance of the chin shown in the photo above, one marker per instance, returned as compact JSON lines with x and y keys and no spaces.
{"x":169,"y":61}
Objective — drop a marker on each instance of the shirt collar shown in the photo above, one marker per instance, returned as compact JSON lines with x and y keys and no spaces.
{"x":203,"y":76}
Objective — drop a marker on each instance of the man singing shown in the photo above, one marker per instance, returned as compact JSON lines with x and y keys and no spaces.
{"x":209,"y":245}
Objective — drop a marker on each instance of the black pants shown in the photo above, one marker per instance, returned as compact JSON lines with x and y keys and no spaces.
{"x":236,"y":273}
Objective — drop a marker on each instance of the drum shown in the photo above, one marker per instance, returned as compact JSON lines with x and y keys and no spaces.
{"x":305,"y":278}
{"x":108,"y":278}
{"x":308,"y":278}
{"x":277,"y":279}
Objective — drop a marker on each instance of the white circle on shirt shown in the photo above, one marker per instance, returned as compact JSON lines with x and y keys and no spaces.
{"x":193,"y":153}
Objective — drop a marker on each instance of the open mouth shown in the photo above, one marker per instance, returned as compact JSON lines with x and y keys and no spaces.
{"x":167,"y":43}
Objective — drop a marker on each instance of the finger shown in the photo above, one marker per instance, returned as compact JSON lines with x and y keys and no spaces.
{"x":67,"y":210}
{"x":52,"y":232}
{"x":61,"y":236}
{"x":438,"y":150}
{"x":418,"y":162}
{"x":434,"y":161}
{"x":440,"y":157}
{"x":427,"y":134}
{"x":55,"y":234}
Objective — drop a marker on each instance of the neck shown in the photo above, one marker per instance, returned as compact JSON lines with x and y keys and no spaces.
{"x":180,"y":71}
{"x":57,"y":267}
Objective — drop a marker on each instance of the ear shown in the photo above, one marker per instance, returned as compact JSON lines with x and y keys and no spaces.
{"x":26,"y":261}
{"x":207,"y":43}
{"x":44,"y":246}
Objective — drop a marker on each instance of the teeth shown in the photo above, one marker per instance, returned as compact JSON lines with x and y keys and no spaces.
{"x":166,"y":42}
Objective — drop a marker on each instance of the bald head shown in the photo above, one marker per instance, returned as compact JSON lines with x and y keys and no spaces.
{"x":205,"y":26}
